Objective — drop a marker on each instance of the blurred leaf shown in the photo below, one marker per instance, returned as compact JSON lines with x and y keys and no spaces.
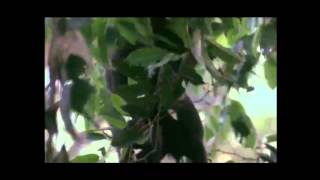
{"x":271,"y":137}
{"x":223,"y":41}
{"x":131,"y":92}
{"x":204,"y":24}
{"x":112,"y":36}
{"x":142,"y":107}
{"x":242,"y":124}
{"x":168,"y":87}
{"x":143,"y":26}
{"x":271,"y":148}
{"x":248,"y":44}
{"x":108,"y":111}
{"x":86,"y":30}
{"x":179,"y":26}
{"x":94,"y":136}
{"x":137,"y":73}
{"x":89,"y":158}
{"x":225,"y":54}
{"x":127,"y":136}
{"x":208,"y":133}
{"x":235,"y":109}
{"x":268,"y":35}
{"x":270,"y":72}
{"x":255,"y":42}
{"x":244,"y":71}
{"x":217,"y":29}
{"x":165,"y":36}
{"x":117,"y":102}
{"x":214,"y":123}
{"x":99,"y":29}
{"x":146,"y":56}
{"x":128,"y":30}
{"x":188,"y":72}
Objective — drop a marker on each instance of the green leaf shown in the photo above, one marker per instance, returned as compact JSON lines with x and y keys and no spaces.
{"x":89,"y":158}
{"x":255,"y":42}
{"x":108,"y":111}
{"x":236,"y":30}
{"x":204,"y":24}
{"x":208,"y":133}
{"x":223,"y":53}
{"x":271,"y":137}
{"x":143,"y":26}
{"x":168,"y":87}
{"x":268,"y":35}
{"x":188,"y":72}
{"x":111,"y":35}
{"x":117,"y":102}
{"x":270,"y":71}
{"x":98,"y":29}
{"x":128,"y":30}
{"x":141,"y":107}
{"x":146,"y":56}
{"x":131,"y":92}
{"x":242,"y":124}
{"x":179,"y":26}
{"x":223,"y":41}
{"x":136,"y":73}
{"x":127,"y":137}
{"x":245,"y":69}
{"x":94,"y":136}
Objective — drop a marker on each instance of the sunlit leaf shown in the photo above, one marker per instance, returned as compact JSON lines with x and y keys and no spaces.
{"x":223,"y":41}
{"x":224,"y":53}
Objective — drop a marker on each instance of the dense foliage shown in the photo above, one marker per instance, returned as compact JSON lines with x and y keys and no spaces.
{"x":202,"y":57}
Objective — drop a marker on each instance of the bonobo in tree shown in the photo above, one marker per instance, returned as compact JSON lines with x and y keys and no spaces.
{"x":178,"y":137}
{"x":68,"y":58}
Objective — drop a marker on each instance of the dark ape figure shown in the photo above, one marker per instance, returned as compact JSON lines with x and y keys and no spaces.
{"x":181,"y":137}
